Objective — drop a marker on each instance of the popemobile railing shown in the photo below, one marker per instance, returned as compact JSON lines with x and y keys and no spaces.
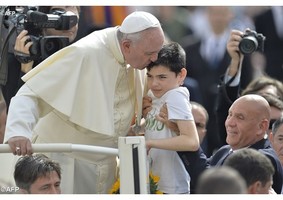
{"x":132,"y":157}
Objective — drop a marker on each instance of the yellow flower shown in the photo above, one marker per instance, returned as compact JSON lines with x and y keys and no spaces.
{"x":158,"y":192}
{"x":116,"y":187}
{"x":155,"y":178}
{"x":153,"y":181}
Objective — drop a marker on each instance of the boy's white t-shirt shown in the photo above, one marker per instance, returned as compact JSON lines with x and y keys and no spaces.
{"x":166,"y":164}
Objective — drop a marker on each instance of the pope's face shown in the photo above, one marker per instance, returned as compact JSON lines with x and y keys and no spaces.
{"x":145,"y":50}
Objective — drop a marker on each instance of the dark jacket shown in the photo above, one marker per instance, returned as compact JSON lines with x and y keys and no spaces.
{"x":197,"y":162}
{"x":273,"y":46}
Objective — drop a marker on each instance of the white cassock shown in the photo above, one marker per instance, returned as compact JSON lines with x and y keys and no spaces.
{"x":83,"y":94}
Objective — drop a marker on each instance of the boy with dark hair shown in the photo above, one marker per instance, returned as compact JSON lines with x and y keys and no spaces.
{"x":164,"y":77}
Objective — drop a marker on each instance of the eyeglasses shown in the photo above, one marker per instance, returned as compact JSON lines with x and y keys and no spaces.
{"x":271,"y":122}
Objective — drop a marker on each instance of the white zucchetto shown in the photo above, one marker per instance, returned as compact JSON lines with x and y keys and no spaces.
{"x":138,"y":21}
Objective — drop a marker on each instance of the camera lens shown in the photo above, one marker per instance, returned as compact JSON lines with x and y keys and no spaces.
{"x":52,"y":45}
{"x":248,"y":45}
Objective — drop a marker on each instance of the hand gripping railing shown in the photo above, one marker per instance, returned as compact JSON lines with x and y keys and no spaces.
{"x":66,"y":148}
{"x":131,"y":152}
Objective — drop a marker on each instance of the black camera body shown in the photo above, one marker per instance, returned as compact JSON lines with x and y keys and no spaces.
{"x":34,"y":21}
{"x":251,"y":42}
{"x":43,"y":47}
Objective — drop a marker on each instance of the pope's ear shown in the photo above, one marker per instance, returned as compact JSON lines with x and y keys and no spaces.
{"x":126,"y":45}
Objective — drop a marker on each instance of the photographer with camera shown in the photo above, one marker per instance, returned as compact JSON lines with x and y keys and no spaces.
{"x":239,"y":45}
{"x":38,"y":42}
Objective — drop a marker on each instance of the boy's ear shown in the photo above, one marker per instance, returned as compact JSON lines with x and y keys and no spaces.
{"x":183,"y":75}
{"x":184,"y":72}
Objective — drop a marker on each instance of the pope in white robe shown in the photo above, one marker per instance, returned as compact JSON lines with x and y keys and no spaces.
{"x":86,"y":93}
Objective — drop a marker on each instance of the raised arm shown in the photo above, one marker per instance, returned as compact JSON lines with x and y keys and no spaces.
{"x":21,"y":51}
{"x":233,"y":50}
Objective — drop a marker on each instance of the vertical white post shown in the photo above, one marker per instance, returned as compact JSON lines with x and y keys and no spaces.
{"x":133,"y":165}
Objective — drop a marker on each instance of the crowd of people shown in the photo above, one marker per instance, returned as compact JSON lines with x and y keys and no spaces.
{"x":133,"y":76}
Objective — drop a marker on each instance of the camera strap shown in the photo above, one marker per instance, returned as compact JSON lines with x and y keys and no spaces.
{"x":22,"y":57}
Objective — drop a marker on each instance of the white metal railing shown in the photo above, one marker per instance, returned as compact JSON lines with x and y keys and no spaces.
{"x":65,"y":147}
{"x":132,"y":155}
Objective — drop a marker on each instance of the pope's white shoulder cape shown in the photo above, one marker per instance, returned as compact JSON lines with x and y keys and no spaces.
{"x":79,"y":80}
